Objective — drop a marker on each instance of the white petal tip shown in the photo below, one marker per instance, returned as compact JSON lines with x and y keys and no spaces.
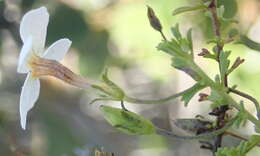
{"x":43,"y":10}
{"x":67,"y":40}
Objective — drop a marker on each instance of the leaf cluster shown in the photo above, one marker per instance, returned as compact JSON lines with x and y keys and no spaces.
{"x":242,"y":149}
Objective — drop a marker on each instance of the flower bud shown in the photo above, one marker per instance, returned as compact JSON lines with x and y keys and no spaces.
{"x":154,"y":21}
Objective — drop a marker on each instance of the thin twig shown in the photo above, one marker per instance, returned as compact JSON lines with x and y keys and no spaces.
{"x":163,"y":36}
{"x":221,"y":116}
{"x":249,"y":97}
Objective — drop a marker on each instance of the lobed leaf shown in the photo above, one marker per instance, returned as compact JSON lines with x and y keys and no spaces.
{"x":187,"y":96}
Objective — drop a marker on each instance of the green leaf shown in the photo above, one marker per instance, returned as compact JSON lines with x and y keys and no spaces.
{"x":187,"y":9}
{"x":230,"y":7}
{"x":242,"y":116}
{"x":127,"y":122}
{"x":233,"y":32}
{"x":242,"y":149}
{"x":111,"y":90}
{"x":249,"y":43}
{"x":189,"y":38}
{"x":216,"y":98}
{"x":187,"y":96}
{"x":184,"y":65}
{"x":176,"y":32}
{"x":220,"y":11}
{"x":224,"y":63}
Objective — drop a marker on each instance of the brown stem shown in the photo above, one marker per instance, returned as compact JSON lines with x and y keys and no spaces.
{"x":222,"y":109}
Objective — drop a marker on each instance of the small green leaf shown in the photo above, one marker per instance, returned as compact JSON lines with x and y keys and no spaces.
{"x":242,"y":116}
{"x":220,"y":11}
{"x":176,"y":32}
{"x":187,"y":96}
{"x":116,"y":91}
{"x":173,"y":48}
{"x":189,"y":38}
{"x":127,"y":122}
{"x":249,"y":43}
{"x":224,"y":63}
{"x":110,"y":89}
{"x":216,"y":98}
{"x":183,"y":64}
{"x":233,"y":33}
{"x":187,"y":9}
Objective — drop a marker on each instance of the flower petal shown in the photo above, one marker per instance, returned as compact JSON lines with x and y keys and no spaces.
{"x":29,"y":95}
{"x":34,"y":23}
{"x":24,"y":56}
{"x":58,"y":49}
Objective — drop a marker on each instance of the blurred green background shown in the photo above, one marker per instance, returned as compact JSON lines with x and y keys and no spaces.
{"x":113,"y":34}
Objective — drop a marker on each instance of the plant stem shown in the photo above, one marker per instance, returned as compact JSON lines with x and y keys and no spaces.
{"x":221,"y":116}
{"x":159,"y":101}
{"x":249,"y":97}
{"x":201,"y":136}
{"x":163,"y":36}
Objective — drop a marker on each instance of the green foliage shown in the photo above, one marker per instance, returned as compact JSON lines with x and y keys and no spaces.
{"x":233,"y":33}
{"x":127,"y":122}
{"x":187,"y":96}
{"x":231,"y":5}
{"x":182,"y":51}
{"x":189,"y":39}
{"x":224,"y":63}
{"x":188,"y":9}
{"x":242,"y":116}
{"x":249,"y":43}
{"x":110,"y":89}
{"x":242,"y":149}
{"x":216,"y":98}
{"x":176,"y":32}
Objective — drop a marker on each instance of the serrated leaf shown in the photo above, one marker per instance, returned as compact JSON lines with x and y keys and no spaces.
{"x":187,"y":9}
{"x":249,"y":43}
{"x":187,"y":96}
{"x":127,"y":122}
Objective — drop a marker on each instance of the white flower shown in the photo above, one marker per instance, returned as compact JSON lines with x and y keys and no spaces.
{"x":33,"y":30}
